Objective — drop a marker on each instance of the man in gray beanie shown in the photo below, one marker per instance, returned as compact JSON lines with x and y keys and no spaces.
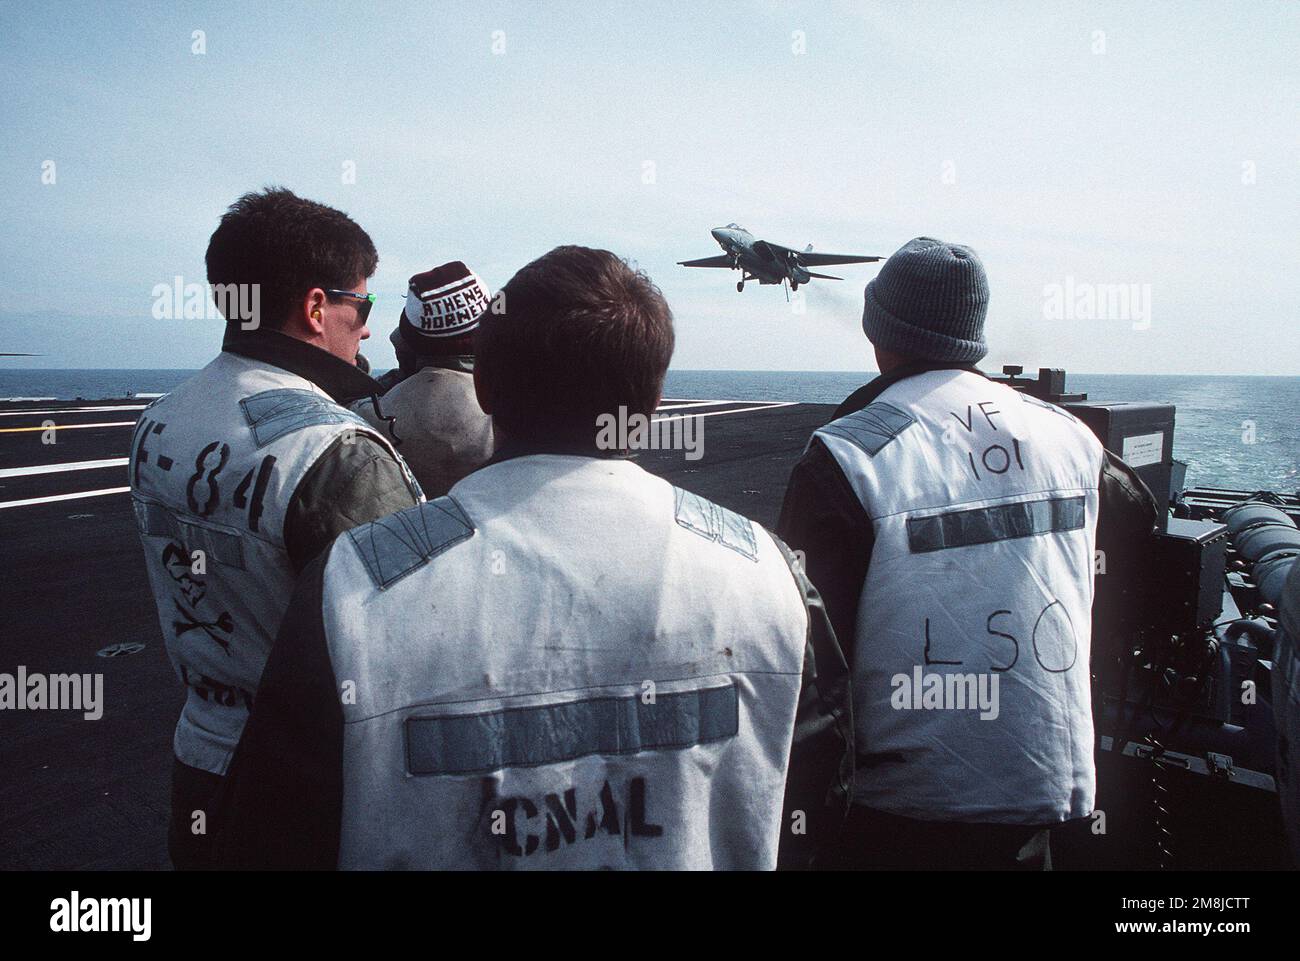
{"x":950,"y":524}
{"x":928,"y":303}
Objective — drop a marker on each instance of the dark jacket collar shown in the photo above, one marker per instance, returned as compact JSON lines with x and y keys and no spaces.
{"x":865,"y":394}
{"x":527,"y":448}
{"x":344,"y":382}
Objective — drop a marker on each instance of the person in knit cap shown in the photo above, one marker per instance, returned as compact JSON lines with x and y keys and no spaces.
{"x":950,"y":524}
{"x":429,"y":408}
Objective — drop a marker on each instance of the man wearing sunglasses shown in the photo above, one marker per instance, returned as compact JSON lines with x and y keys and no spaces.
{"x":253,"y":466}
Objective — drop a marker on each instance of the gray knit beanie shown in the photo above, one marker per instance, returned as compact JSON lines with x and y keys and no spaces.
{"x":929,"y":302}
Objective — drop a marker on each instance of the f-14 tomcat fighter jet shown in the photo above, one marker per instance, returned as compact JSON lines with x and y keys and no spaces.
{"x":769,"y":263}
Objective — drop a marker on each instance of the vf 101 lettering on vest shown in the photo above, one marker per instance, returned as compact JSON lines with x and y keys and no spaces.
{"x":995,"y":456}
{"x":517,"y":821}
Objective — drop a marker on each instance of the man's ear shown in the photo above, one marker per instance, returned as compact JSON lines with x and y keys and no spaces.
{"x":481,"y":391}
{"x":310,"y":315}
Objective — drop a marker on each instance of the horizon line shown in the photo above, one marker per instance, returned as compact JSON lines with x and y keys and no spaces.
{"x":1028,"y":373}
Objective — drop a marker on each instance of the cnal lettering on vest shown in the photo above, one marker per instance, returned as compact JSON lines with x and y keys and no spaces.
{"x":996,"y":455}
{"x":526,"y":827}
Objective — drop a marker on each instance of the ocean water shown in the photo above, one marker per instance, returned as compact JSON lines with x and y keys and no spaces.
{"x":1237,"y":432}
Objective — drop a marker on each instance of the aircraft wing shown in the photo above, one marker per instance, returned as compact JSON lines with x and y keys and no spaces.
{"x":810,"y":259}
{"x":719,"y":261}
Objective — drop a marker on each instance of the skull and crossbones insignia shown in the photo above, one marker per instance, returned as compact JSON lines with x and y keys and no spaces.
{"x":224,"y":623}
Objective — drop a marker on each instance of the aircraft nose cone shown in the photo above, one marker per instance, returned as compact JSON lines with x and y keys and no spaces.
{"x":718,"y":233}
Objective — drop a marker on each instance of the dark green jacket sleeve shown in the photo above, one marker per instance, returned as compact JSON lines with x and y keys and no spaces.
{"x":281,"y":806}
{"x":1127,"y":515}
{"x":354,"y":482}
{"x":822,"y":518}
{"x":820,"y":777}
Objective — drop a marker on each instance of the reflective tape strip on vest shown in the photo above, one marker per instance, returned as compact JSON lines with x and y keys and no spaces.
{"x":213,"y":466}
{"x":565,"y":663}
{"x":970,"y":662}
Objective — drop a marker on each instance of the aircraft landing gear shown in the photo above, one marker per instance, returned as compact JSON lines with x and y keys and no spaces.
{"x":794,"y":287}
{"x":740,"y":286}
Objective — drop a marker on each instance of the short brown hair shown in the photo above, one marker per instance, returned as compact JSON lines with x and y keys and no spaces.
{"x":575,"y":334}
{"x":287,"y":245}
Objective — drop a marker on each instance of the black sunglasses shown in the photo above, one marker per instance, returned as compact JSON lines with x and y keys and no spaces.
{"x":366,"y":301}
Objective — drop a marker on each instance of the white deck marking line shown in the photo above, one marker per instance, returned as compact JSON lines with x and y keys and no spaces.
{"x":743,"y":410}
{"x":66,"y":466}
{"x":20,"y":430}
{"x":122,"y":490}
{"x":682,"y":400}
{"x":695,"y":403}
{"x":725,"y":400}
{"x":73,"y":410}
{"x":62,"y":497}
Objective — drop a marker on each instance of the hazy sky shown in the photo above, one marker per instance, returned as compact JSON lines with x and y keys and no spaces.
{"x":1155,"y":145}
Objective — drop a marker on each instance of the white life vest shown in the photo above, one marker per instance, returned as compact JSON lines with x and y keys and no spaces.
{"x":213,"y":467}
{"x":983,"y":502}
{"x":565,"y":663}
{"x":443,"y":433}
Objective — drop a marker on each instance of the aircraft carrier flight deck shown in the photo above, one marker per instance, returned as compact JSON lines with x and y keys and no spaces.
{"x":81,"y":794}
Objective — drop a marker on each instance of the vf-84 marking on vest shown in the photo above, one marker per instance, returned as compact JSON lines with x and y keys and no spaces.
{"x":202,"y":491}
{"x":142,"y":432}
{"x":1053,"y":641}
{"x":996,"y":458}
{"x":556,"y":816}
{"x":204,"y":478}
